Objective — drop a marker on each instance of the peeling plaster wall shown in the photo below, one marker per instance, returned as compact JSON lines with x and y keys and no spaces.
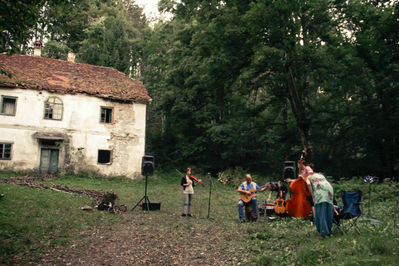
{"x":125,"y":136}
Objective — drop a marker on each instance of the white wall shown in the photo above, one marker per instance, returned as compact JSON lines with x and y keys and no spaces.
{"x":81,"y":123}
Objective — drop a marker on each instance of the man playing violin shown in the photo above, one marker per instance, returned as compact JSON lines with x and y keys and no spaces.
{"x":248,"y":190}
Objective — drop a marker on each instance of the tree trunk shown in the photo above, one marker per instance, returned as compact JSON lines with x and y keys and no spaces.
{"x":301,"y":109}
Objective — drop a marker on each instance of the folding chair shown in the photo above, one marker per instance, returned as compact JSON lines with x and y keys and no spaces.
{"x":337,"y":217}
{"x":351,"y":210}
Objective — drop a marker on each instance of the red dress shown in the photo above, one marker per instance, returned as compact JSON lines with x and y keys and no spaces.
{"x":298,"y":205}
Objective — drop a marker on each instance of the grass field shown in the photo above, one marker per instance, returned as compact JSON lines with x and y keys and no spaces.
{"x":48,"y":227}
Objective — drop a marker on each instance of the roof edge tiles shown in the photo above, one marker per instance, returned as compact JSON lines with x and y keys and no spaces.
{"x":63,"y":77}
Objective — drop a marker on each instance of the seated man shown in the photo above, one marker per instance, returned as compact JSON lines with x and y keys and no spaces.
{"x":248,"y":191}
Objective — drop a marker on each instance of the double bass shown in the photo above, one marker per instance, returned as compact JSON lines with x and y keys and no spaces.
{"x":299,"y":205}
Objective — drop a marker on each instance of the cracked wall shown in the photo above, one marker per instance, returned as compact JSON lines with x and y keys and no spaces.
{"x":124,"y":136}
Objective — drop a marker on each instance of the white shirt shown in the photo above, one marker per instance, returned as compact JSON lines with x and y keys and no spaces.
{"x":189,"y":189}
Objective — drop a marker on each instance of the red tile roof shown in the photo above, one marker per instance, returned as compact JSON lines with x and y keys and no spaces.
{"x":59,"y":76}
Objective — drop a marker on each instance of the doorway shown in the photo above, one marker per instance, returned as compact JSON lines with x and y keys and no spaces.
{"x":49,"y":160}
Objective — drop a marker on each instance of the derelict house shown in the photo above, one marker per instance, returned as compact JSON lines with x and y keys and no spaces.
{"x":58,"y":115}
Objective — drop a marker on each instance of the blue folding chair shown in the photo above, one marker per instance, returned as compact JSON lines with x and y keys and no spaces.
{"x":351,"y":210}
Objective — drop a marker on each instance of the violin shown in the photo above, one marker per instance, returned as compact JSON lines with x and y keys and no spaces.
{"x":198,"y":180}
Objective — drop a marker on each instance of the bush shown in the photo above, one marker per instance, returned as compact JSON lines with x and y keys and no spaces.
{"x":231,"y":176}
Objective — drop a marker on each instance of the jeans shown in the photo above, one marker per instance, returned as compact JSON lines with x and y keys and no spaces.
{"x":188,"y":198}
{"x":324,"y":218}
{"x":254,"y":203}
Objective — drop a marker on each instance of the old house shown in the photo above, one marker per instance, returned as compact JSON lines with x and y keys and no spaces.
{"x":57,"y":115}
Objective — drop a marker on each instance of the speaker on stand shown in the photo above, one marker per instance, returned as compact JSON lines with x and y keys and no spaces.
{"x":147,"y":169}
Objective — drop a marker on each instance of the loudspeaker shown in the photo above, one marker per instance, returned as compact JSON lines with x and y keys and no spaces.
{"x":289,"y":170}
{"x":147,"y":166}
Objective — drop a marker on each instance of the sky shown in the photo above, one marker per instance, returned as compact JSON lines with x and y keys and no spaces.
{"x":150,"y":7}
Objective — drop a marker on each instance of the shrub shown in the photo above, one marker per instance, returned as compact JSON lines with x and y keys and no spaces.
{"x":231,"y":176}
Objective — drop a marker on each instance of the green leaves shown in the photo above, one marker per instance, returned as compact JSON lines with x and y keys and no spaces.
{"x":17,"y":18}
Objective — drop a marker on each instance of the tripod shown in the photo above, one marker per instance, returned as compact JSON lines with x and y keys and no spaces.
{"x":144,"y":198}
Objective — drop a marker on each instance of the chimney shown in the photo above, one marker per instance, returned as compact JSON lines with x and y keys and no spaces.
{"x":71,"y":57}
{"x":38,"y":48}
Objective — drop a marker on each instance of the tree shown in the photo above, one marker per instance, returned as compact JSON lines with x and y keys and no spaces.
{"x":17,"y":19}
{"x":375,"y":27}
{"x":114,"y":36}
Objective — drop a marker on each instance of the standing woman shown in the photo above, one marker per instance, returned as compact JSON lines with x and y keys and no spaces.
{"x":322,"y":193}
{"x":188,"y":191}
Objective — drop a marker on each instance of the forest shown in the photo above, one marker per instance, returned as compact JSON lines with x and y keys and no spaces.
{"x":241,"y":84}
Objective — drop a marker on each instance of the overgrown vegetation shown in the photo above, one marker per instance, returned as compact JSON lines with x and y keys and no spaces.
{"x":36,"y":222}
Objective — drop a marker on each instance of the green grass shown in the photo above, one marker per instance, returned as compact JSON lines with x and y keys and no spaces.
{"x":33,"y":220}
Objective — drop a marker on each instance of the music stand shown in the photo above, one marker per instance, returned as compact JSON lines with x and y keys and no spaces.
{"x":144,"y":198}
{"x":370,"y":179}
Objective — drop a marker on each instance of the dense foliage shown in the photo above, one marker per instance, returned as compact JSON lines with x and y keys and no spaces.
{"x":243,"y":83}
{"x":250,"y":83}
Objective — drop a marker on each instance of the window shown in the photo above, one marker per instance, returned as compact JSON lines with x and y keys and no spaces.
{"x":53,"y":108}
{"x":8,"y":105}
{"x":106,"y":115}
{"x":5,"y":151}
{"x":104,"y":156}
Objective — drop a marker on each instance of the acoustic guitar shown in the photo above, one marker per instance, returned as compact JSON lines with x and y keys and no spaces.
{"x":279,"y":208}
{"x":248,"y":197}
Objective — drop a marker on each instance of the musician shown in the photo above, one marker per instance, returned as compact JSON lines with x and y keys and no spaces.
{"x":245,"y":188}
{"x":188,"y":191}
{"x":300,"y":204}
{"x":279,"y":187}
{"x":323,"y":195}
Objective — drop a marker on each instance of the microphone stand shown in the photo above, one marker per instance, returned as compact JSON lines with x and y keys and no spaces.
{"x":210,"y":194}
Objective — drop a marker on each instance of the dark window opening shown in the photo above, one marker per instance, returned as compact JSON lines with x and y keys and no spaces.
{"x":8,"y":105}
{"x":5,"y":151}
{"x":104,"y":156}
{"x":106,"y":115}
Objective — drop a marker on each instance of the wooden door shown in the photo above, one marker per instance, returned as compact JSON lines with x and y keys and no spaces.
{"x":49,"y":160}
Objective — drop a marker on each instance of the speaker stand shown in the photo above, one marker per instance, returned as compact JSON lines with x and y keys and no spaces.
{"x":144,"y":198}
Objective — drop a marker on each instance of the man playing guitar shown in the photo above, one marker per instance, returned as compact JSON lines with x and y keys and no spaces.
{"x":248,"y":190}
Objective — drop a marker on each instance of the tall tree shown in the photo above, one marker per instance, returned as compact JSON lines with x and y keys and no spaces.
{"x":17,"y":20}
{"x":250,"y":83}
{"x":114,"y":36}
{"x":375,"y":29}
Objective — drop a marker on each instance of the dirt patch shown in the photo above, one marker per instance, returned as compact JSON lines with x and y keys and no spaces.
{"x":155,"y":238}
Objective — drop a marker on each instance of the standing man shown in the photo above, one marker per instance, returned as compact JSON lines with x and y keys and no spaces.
{"x":248,"y":189}
{"x":323,"y":194}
